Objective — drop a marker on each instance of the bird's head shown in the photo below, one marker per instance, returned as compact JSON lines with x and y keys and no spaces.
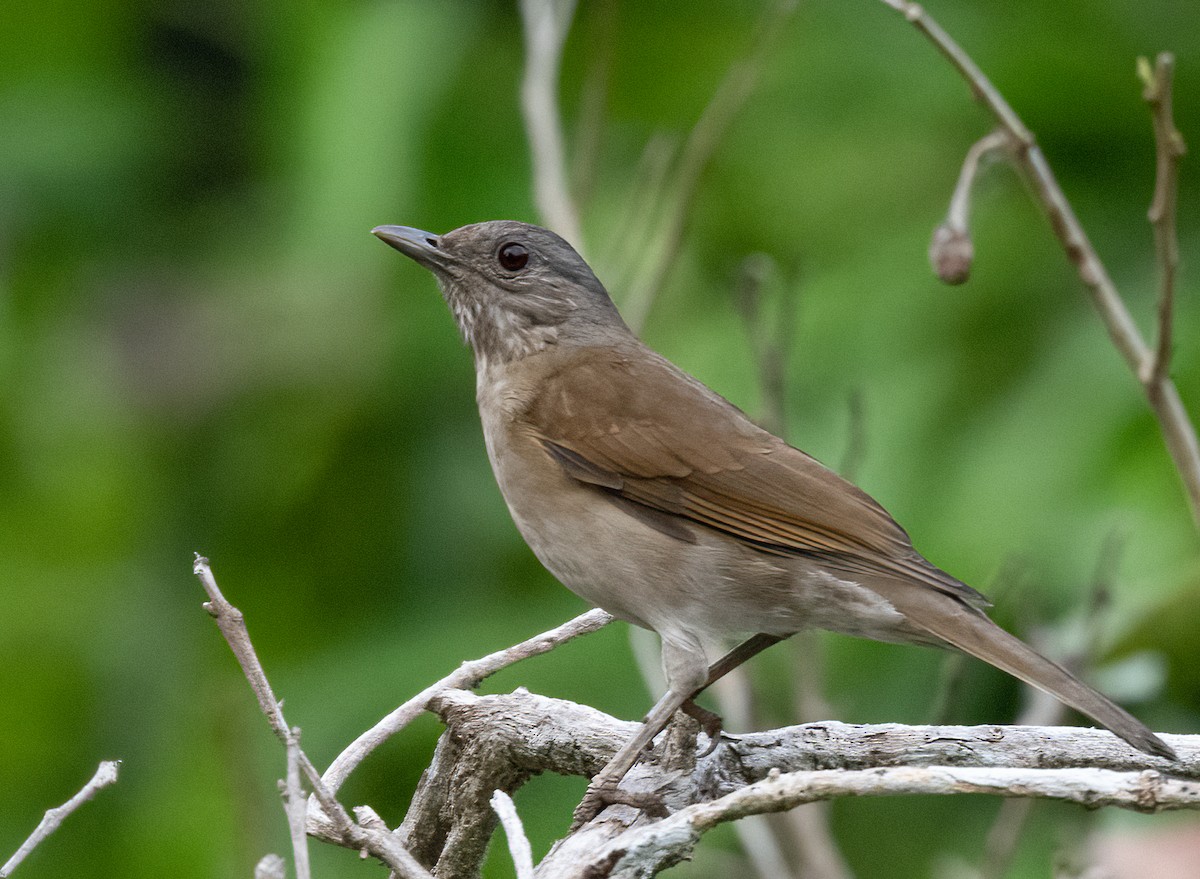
{"x":513,"y":288}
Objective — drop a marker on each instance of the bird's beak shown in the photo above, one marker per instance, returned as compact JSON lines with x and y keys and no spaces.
{"x":420,"y":246}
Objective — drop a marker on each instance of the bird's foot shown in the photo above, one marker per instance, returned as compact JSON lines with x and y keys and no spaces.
{"x":709,"y":721}
{"x":601,"y":795}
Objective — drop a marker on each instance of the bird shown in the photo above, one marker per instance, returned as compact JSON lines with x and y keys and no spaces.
{"x":653,"y":497}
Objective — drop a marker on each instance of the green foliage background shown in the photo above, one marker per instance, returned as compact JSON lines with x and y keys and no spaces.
{"x":201,"y":348}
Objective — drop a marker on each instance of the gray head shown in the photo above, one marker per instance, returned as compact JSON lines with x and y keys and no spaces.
{"x":513,"y":288}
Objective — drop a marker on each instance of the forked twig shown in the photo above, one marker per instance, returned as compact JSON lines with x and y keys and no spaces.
{"x":338,"y":826}
{"x":296,"y":807}
{"x":1179,"y":433}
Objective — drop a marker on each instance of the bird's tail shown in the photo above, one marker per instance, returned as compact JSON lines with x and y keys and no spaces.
{"x":971,"y":631}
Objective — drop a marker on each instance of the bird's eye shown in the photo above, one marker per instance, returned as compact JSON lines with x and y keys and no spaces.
{"x":512,"y":256}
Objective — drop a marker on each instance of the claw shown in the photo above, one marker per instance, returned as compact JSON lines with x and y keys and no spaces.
{"x":709,"y":721}
{"x":600,"y":797}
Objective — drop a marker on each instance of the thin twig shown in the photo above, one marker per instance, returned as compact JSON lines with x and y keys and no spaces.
{"x":518,"y":842}
{"x":106,"y":774}
{"x":705,"y":136}
{"x":959,"y":213}
{"x":337,"y":826}
{"x":466,"y":676}
{"x":233,"y":627}
{"x":546,"y":23}
{"x":296,"y":806}
{"x":1179,"y":433}
{"x":1169,"y":149}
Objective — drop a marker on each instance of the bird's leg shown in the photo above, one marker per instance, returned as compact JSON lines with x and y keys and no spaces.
{"x":710,"y":721}
{"x":603,"y":789}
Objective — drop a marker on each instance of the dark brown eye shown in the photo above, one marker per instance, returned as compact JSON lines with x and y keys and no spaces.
{"x":512,"y":256}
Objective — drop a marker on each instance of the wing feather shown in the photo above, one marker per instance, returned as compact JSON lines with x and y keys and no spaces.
{"x":654,"y":436}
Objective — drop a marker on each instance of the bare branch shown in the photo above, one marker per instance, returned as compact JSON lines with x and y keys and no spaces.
{"x":233,"y":626}
{"x":496,"y":742}
{"x":816,"y":851}
{"x":1179,"y":434}
{"x":296,"y":806}
{"x":546,"y":23}
{"x":576,"y":739}
{"x":106,"y":774}
{"x":335,"y":825}
{"x":468,"y":675}
{"x":518,"y":843}
{"x":1169,"y":150}
{"x":646,"y":850}
{"x":705,"y":136}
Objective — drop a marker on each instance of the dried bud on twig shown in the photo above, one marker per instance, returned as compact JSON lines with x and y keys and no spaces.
{"x":951,"y":253}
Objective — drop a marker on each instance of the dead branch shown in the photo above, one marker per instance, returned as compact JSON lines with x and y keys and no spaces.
{"x":106,"y":774}
{"x":648,"y":849}
{"x":295,"y":805}
{"x":518,"y":843}
{"x":467,"y":676}
{"x":497,"y":742}
{"x":335,"y":825}
{"x":1179,"y":433}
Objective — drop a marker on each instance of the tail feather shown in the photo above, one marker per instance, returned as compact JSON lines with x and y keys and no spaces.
{"x":971,"y":631}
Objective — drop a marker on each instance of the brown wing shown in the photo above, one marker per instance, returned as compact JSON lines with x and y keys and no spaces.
{"x":632,"y":424}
